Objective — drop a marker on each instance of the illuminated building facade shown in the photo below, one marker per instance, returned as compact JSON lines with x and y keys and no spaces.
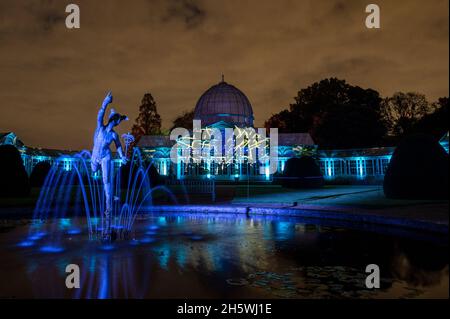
{"x":221,"y":107}
{"x":225,"y":106}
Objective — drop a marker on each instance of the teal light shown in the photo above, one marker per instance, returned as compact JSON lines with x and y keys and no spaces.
{"x":329,"y":167}
{"x":67,"y":165}
{"x":164,"y":168}
{"x":361,"y":173}
{"x":65,"y":223}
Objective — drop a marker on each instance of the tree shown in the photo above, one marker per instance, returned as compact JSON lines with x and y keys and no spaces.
{"x":184,"y":120}
{"x":418,"y":169}
{"x":336,"y":114}
{"x":402,"y":111}
{"x":282,"y":121}
{"x":148,"y":122}
{"x":435,"y":124}
{"x":39,"y":174}
{"x":13,"y":176}
{"x":303,"y":172}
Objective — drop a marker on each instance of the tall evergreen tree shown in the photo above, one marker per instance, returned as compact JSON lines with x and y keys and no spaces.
{"x":148,"y":122}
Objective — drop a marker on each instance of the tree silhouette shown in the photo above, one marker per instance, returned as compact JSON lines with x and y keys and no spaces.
{"x":148,"y":122}
{"x":184,"y":120}
{"x":402,"y":111}
{"x":282,"y":121}
{"x":435,"y":124}
{"x":336,"y":114}
{"x":13,"y":176}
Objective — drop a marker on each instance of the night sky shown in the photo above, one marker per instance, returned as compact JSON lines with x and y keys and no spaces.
{"x":53,"y":80}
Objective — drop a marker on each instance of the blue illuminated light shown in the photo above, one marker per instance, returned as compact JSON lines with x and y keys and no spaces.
{"x":51,"y":249}
{"x":107,"y":247}
{"x":26,"y":243}
{"x":361,"y":172}
{"x":37,"y":236}
{"x":74,"y":232}
{"x":196,"y":237}
{"x":164,"y":168}
{"x":148,"y":240}
{"x":65,"y":222}
{"x":134,"y":242}
{"x":162,"y":221}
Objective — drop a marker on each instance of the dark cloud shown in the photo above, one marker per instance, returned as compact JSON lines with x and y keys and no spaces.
{"x":188,"y":11}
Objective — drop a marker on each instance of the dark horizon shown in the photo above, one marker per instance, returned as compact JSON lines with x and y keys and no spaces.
{"x":53,"y":79}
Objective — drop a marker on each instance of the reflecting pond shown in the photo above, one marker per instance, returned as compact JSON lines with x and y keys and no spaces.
{"x":220,"y":256}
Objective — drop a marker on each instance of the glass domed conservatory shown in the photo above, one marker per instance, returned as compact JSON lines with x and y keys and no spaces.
{"x":223,"y":107}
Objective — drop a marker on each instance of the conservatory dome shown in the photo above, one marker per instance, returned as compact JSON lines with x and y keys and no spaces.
{"x":224,"y":103}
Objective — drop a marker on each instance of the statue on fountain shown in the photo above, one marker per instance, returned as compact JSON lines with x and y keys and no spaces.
{"x":101,"y":154}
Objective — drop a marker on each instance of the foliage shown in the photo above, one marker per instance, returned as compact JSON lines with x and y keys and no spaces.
{"x":184,"y":120}
{"x":39,"y":173}
{"x":435,"y":124}
{"x":13,"y":176}
{"x":336,"y":114}
{"x":418,"y":170}
{"x":148,"y":122}
{"x":303,"y":172}
{"x":402,"y":111}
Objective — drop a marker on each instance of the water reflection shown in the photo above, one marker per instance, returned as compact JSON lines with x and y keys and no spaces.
{"x":224,"y":256}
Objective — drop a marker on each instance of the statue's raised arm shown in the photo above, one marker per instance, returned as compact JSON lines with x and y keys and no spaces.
{"x":108,"y":100}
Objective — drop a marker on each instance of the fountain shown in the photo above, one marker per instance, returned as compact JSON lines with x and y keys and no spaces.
{"x":73,"y":187}
{"x":71,"y":190}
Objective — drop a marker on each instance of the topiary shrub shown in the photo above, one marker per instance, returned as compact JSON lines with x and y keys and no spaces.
{"x":153,"y":175}
{"x":418,"y":170}
{"x":39,"y":173}
{"x":302,"y":172}
{"x":13,"y":177}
